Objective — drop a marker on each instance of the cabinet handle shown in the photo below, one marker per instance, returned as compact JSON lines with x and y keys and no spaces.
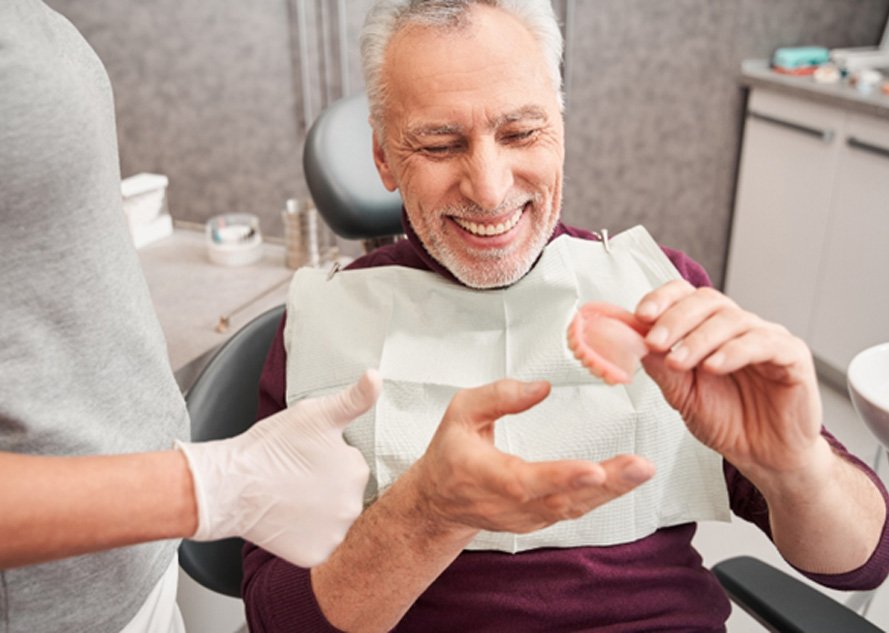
{"x":824,"y":135}
{"x":867,"y":147}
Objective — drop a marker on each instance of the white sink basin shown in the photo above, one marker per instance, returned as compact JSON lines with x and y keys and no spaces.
{"x":868,"y":380}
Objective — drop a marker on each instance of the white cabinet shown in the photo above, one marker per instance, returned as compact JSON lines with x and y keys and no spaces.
{"x":810,"y":235}
{"x":851,"y":308}
{"x":787,"y":167}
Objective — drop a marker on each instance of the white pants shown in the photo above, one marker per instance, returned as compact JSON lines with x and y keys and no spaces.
{"x":160,"y":613}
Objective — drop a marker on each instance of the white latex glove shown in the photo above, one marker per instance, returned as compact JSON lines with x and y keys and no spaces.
{"x":290,"y":484}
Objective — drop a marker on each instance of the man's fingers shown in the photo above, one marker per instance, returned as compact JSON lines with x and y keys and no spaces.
{"x":768,"y":345}
{"x":625,"y":472}
{"x":720,"y":328}
{"x":539,"y":479}
{"x":725,"y":345}
{"x":653,"y":304}
{"x":343,"y":407}
{"x":481,"y":406}
{"x":622,"y":474}
{"x":572,"y":479}
{"x":685,"y":315}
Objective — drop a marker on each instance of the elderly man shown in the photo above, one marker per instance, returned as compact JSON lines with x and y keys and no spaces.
{"x":553,"y":533}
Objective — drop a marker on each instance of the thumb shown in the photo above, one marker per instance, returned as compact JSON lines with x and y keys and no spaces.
{"x":656,"y":368}
{"x":343,"y":407}
{"x":674,"y":384}
{"x":482,"y":406}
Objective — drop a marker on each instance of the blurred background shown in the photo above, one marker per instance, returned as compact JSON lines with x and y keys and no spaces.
{"x":217,"y":96}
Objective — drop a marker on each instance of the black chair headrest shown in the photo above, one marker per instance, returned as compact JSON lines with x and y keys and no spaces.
{"x":341,"y":175}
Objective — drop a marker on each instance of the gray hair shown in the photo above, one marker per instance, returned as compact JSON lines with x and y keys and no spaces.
{"x":387,"y":17}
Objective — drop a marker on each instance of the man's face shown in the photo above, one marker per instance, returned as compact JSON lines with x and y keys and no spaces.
{"x":474,"y":141}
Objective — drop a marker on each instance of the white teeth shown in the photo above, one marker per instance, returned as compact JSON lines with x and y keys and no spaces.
{"x":489,"y":230}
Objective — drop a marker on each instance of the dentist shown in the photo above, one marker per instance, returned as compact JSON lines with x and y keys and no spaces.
{"x":89,"y":409}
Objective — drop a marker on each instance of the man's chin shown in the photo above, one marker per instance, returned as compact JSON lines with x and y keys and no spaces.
{"x":489,"y":268}
{"x":483,"y":274}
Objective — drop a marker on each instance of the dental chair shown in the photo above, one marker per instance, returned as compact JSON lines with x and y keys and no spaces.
{"x":783,"y":604}
{"x":223,"y":403}
{"x":342,"y":178}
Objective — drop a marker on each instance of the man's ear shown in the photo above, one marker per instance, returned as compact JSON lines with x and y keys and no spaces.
{"x":382,"y":164}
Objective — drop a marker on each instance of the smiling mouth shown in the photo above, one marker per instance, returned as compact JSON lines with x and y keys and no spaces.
{"x":490,"y":230}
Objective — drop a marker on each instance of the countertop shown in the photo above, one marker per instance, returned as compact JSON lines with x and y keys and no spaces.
{"x":190,"y":294}
{"x":757,"y":74}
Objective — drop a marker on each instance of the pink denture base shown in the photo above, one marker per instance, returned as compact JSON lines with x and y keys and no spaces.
{"x":608,"y":341}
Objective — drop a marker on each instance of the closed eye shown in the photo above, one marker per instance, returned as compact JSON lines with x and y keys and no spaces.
{"x":438,"y":149}
{"x":519,"y":137}
{"x":441,"y":150}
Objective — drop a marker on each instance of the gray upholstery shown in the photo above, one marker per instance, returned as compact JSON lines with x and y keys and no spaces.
{"x":783,"y":604}
{"x":223,"y":403}
{"x":341,"y":175}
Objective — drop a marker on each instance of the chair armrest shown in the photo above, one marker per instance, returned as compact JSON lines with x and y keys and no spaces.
{"x":782,"y":603}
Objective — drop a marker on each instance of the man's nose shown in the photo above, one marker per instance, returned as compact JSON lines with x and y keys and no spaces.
{"x":487,"y":175}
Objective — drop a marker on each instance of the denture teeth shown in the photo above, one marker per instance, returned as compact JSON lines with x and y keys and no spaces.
{"x":489,"y":230}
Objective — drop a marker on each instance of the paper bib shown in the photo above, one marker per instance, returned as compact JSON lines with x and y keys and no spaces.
{"x":430,"y":337}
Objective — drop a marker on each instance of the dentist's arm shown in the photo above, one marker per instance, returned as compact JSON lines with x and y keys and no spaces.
{"x":747,"y":388}
{"x":289,"y":483}
{"x":461,"y":484}
{"x":54,"y":507}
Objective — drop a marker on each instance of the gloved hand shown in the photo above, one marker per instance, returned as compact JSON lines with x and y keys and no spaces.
{"x":290,"y":484}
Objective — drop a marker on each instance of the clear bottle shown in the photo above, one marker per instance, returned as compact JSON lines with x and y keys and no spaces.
{"x":301,"y":234}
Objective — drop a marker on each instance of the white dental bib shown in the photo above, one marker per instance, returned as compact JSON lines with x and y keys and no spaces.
{"x":430,"y":337}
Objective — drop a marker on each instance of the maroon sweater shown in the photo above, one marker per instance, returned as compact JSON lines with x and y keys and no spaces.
{"x":657,"y":583}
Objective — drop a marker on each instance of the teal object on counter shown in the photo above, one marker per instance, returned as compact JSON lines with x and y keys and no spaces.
{"x":800,"y":57}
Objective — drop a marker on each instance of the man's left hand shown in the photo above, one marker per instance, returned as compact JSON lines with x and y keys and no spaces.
{"x":745,"y":387}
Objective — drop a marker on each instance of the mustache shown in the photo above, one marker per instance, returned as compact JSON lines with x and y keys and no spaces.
{"x":469,"y":209}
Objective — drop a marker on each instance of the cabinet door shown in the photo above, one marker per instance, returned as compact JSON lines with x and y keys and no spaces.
{"x":852,"y":303}
{"x":783,"y":200}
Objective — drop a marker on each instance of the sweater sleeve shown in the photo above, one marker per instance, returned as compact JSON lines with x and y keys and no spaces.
{"x":748,"y":503}
{"x":278,"y":596}
{"x":690,"y":270}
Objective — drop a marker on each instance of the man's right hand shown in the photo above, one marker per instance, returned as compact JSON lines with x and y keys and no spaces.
{"x":463,"y":481}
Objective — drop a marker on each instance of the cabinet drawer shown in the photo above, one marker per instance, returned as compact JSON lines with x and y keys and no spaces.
{"x":788,"y":116}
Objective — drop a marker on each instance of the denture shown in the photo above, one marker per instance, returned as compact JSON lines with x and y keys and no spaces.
{"x":608,"y":341}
